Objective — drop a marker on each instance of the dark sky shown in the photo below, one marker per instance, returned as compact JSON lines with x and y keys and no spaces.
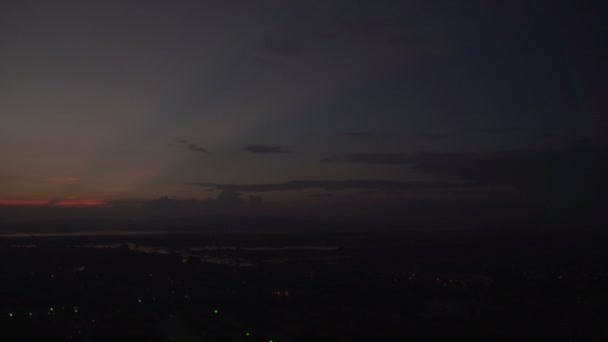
{"x":378,"y":109}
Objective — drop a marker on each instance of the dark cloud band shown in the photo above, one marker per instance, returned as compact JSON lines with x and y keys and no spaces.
{"x":333,"y":185}
{"x":266,"y":149}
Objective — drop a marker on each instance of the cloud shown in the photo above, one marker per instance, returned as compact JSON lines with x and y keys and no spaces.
{"x":55,"y":202}
{"x":196,"y":148}
{"x":11,"y":202}
{"x":360,"y":134}
{"x":385,"y":28}
{"x":192,"y":146}
{"x":266,"y":149}
{"x":63,"y":179}
{"x":321,"y":195}
{"x":80,"y":203}
{"x":523,"y":167}
{"x":565,"y":182}
{"x":279,"y":49}
{"x":369,"y":158}
{"x":233,"y":200}
{"x":377,"y":29}
{"x":226,"y":202}
{"x":512,"y":130}
{"x":434,"y":136}
{"x":570,"y":179}
{"x":389,"y":26}
{"x":337,"y":185}
{"x":513,"y":166}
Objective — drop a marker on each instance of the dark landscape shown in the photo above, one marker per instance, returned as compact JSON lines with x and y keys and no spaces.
{"x":218,"y":286}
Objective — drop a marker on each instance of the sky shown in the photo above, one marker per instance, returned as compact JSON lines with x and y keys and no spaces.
{"x":437,"y":110}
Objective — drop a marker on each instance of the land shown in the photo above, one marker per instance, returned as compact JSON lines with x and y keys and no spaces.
{"x":305,"y":286}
